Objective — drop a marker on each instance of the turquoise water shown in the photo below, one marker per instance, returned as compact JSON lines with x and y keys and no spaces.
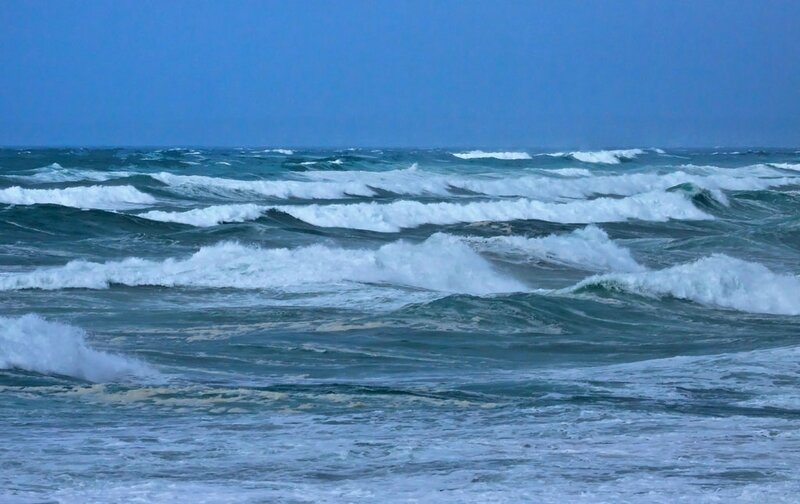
{"x":361,"y":325}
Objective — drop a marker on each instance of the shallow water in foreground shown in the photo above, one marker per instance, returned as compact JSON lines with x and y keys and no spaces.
{"x":362,"y":325}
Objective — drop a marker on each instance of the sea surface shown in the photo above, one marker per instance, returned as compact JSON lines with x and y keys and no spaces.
{"x":365,"y":325}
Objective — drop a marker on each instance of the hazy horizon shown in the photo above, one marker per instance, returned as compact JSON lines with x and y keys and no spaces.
{"x":405,"y":74}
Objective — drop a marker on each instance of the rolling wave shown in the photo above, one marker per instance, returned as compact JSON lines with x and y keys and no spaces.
{"x":601,"y":156}
{"x":99,"y":197}
{"x":569,"y":183}
{"x":573,"y":183}
{"x":392,"y":217}
{"x":589,"y":248}
{"x":717,"y":280}
{"x":282,"y":189}
{"x":479,"y":154}
{"x":442,"y":263}
{"x":34,"y":344}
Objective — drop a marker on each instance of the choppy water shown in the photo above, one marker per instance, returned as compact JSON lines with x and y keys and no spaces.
{"x":255,"y":325}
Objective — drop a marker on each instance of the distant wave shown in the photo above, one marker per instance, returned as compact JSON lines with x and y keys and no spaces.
{"x":478,"y":154}
{"x":209,"y":216}
{"x":391,"y":217}
{"x":568,"y":183}
{"x":100,"y":197}
{"x":283,"y":189}
{"x":57,"y":173}
{"x":589,"y":249}
{"x":602,"y":156}
{"x":572,"y":183}
{"x":557,"y":189}
{"x":717,"y":280}
{"x":34,"y":344}
{"x":285,"y":152}
{"x":441,"y":263}
{"x":572,"y":172}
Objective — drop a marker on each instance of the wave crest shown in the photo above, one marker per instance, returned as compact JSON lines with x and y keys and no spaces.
{"x":99,"y":197}
{"x":441,"y":263}
{"x":717,"y":280}
{"x":35,"y":344}
{"x":392,"y":217}
{"x":601,"y":156}
{"x":479,"y":154}
{"x":589,"y":248}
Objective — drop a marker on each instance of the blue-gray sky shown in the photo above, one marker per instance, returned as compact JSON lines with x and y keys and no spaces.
{"x":400,"y":73}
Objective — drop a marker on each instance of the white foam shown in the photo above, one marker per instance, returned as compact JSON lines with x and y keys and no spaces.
{"x":555,"y":189}
{"x":717,"y":280}
{"x":580,"y":182}
{"x":209,"y":216}
{"x":102,"y":197}
{"x":572,"y":172}
{"x":478,"y":154}
{"x":601,"y":156}
{"x":34,"y":344}
{"x":285,"y":152}
{"x":787,"y":166}
{"x":391,"y":217}
{"x":283,"y":189}
{"x":589,"y":249}
{"x":441,"y":263}
{"x":55,"y":173}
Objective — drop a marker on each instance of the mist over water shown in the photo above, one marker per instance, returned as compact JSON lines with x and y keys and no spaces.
{"x":365,"y":325}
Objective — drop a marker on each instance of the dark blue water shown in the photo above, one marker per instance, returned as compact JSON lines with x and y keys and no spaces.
{"x":248,"y":325}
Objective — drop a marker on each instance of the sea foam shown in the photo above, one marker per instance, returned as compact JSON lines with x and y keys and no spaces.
{"x":34,"y":344}
{"x":282,"y":189}
{"x":441,"y":263}
{"x":717,"y":280}
{"x":391,"y":217}
{"x":589,"y":248}
{"x":602,"y":156}
{"x":478,"y":154}
{"x":101,"y":197}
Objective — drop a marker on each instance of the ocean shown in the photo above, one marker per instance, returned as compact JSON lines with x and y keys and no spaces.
{"x":381,"y":325}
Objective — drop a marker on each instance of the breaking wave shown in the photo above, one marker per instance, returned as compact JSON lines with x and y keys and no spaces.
{"x":717,"y":280}
{"x":34,"y":344}
{"x":602,"y":156}
{"x":100,"y":197}
{"x":589,"y":248}
{"x":478,"y":154}
{"x":441,"y":263}
{"x":391,"y":217}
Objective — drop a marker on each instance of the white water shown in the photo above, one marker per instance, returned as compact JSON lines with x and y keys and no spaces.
{"x":34,"y":344}
{"x":602,"y":156}
{"x":717,"y":280}
{"x":478,"y":154}
{"x":589,"y":248}
{"x":100,"y":197}
{"x":391,"y":217}
{"x":441,"y":263}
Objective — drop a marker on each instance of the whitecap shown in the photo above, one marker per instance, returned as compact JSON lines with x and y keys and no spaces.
{"x":601,"y":156}
{"x":34,"y":344}
{"x":441,"y":263}
{"x":478,"y":154}
{"x":391,"y":217}
{"x":717,"y":280}
{"x":102,"y":197}
{"x":589,"y":248}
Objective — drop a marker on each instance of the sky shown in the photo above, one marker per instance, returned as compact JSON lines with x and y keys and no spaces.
{"x":433,"y":73}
